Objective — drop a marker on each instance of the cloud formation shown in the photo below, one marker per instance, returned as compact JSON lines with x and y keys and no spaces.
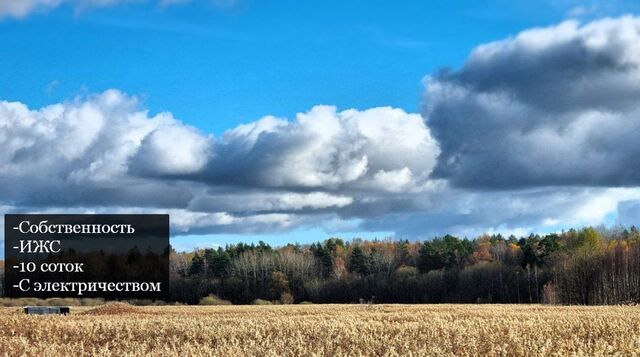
{"x":21,"y":8}
{"x":104,"y":152}
{"x":24,"y":8}
{"x":550,"y":106}
{"x":379,"y":150}
{"x":76,"y":153}
{"x":519,"y":212}
{"x":534,"y":132}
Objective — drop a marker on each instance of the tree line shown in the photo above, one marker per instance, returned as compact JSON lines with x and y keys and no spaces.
{"x":586,"y":266}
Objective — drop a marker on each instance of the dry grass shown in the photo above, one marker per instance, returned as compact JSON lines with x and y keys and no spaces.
{"x":115,"y":308}
{"x":326,"y":330}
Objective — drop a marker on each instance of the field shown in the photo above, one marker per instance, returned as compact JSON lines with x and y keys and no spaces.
{"x":325,"y":330}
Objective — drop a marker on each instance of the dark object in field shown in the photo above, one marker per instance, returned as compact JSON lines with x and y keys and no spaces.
{"x":47,"y":310}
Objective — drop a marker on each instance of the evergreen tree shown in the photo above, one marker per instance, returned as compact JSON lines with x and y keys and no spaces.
{"x":359,"y":262}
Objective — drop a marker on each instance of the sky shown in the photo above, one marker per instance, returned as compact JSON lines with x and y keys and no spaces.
{"x":289,"y":121}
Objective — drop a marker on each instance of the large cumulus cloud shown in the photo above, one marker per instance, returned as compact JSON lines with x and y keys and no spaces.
{"x":550,"y":106}
{"x":75,"y":154}
{"x":379,"y":149}
{"x":105,"y":152}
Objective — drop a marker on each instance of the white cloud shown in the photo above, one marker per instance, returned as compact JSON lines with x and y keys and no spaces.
{"x":394,"y":180}
{"x":68,"y":152}
{"x":274,"y":201}
{"x":172,"y":150}
{"x":326,"y":149}
{"x":105,"y":153}
{"x":598,"y":206}
{"x":582,"y":10}
{"x":21,"y":8}
{"x":24,"y":8}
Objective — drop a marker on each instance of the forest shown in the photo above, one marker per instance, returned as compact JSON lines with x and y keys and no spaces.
{"x":589,"y":266}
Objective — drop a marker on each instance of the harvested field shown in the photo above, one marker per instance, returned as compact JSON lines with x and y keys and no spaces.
{"x":325,"y":330}
{"x":115,"y":308}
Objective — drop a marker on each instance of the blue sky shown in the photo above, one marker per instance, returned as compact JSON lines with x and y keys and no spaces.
{"x":216,"y":65}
